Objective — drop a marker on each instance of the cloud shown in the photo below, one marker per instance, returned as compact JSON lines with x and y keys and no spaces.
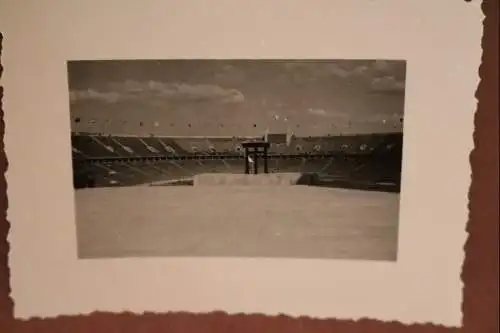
{"x":360,"y":70}
{"x":387,"y":84}
{"x":380,"y":75}
{"x":318,"y":69}
{"x":155,"y":92}
{"x":381,"y":65}
{"x":318,"y":112}
{"x":90,"y":94}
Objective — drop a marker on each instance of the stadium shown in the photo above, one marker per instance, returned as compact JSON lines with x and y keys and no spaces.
{"x":354,"y":161}
{"x":237,"y":158}
{"x":138,"y":196}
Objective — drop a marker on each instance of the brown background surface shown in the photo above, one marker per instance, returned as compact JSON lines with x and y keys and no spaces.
{"x":480,"y":271}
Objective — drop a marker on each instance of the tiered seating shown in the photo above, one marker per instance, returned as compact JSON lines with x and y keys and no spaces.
{"x":391,"y":143}
{"x":135,"y":173}
{"x":190,"y":167}
{"x":367,"y":144}
{"x":90,"y":147}
{"x":150,"y":171}
{"x":99,"y":175}
{"x":345,"y":144}
{"x":126,"y":174}
{"x":371,"y":158}
{"x":238,"y":148}
{"x":235,"y":165}
{"x":311,"y":145}
{"x":386,"y":169}
{"x":214,"y":166}
{"x":313,"y":165}
{"x":77,"y":155}
{"x":175,"y":169}
{"x":155,"y":145}
{"x":289,"y":165}
{"x":112,"y":145}
{"x":273,"y":165}
{"x":362,"y":144}
{"x":83,"y":176}
{"x":294,"y":146}
{"x":135,"y":146}
{"x":339,"y":168}
{"x":330,"y":145}
{"x":195,"y":145}
{"x":171,"y":147}
{"x":363,"y":168}
{"x":222,"y":145}
{"x":278,"y":149}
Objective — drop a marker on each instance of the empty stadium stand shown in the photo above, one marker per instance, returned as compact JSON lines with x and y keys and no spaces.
{"x":108,"y":160}
{"x":90,"y":146}
{"x":223,"y":145}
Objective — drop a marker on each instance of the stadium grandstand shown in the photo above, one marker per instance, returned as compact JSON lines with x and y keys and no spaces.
{"x":110,"y":160}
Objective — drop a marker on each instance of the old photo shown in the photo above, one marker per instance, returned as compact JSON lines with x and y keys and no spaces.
{"x":237,"y":158}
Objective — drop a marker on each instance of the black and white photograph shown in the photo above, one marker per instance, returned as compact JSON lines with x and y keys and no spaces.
{"x":281,"y":158}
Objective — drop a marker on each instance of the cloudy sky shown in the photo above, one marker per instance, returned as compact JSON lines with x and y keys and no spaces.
{"x":220,"y":97}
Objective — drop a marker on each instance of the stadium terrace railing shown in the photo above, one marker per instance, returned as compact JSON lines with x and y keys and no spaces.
{"x":121,"y":159}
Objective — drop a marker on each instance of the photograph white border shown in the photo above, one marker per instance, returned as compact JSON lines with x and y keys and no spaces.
{"x":440,"y":41}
